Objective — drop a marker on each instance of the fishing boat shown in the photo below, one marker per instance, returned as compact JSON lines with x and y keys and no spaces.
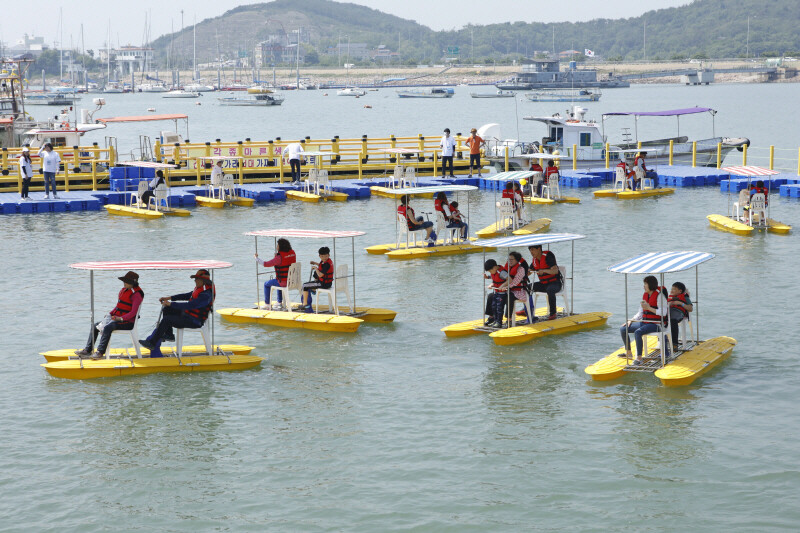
{"x":750,"y":213}
{"x":259,"y":99}
{"x":427,"y":92}
{"x":497,"y":94}
{"x":55,"y":98}
{"x":351,"y":91}
{"x":623,"y":188}
{"x":589,"y":138}
{"x":516,"y":331}
{"x":157,"y":206}
{"x":551,"y":185}
{"x":136,"y":360}
{"x":674,"y":367}
{"x":178,"y":93}
{"x":221,"y":193}
{"x":559,"y":95}
{"x":448,"y":242}
{"x":334,"y":317}
{"x":506,"y":221}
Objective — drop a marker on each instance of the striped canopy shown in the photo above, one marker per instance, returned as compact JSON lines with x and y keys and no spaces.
{"x":208,"y":264}
{"x":305,"y":233}
{"x":529,"y":240}
{"x":146,"y":164}
{"x":661,"y":262}
{"x":435,"y":188}
{"x":750,"y":170}
{"x":514,"y":175}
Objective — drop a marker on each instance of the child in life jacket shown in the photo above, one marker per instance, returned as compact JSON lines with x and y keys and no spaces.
{"x":627,"y":171}
{"x":498,"y":276}
{"x":519,"y":202}
{"x":457,"y":220}
{"x":680,"y":305}
{"x":323,"y":278}
{"x":760,"y":189}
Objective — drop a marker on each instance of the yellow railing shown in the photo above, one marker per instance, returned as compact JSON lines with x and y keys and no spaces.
{"x":79,"y":168}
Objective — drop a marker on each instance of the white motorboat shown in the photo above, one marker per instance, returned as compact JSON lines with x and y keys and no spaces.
{"x":59,"y":99}
{"x":198,"y":88}
{"x":351,"y":91}
{"x":498,"y":94}
{"x":263,"y":99}
{"x":560,"y":95}
{"x":113,"y":87}
{"x":427,"y":92}
{"x":178,"y":93}
{"x":152,"y":88}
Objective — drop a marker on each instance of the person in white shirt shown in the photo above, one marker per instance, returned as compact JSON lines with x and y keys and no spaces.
{"x":216,"y":175}
{"x":293,"y":152}
{"x":151,"y":186}
{"x":50,"y":163}
{"x":26,"y":171}
{"x":448,"y":146}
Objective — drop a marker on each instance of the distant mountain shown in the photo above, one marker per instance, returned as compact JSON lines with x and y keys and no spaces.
{"x":712,"y":28}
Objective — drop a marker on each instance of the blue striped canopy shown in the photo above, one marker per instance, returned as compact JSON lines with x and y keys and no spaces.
{"x":661,"y":262}
{"x":435,"y":188}
{"x":529,"y":240}
{"x":514,"y":175}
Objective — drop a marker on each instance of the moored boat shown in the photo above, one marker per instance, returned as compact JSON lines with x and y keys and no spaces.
{"x":560,"y":95}
{"x":427,"y":92}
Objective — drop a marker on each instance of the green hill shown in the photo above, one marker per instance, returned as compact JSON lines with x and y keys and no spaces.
{"x":711,"y":28}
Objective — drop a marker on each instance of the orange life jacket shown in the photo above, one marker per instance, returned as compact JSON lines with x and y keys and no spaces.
{"x":326,"y":278}
{"x":680,"y":298}
{"x":408,"y":213}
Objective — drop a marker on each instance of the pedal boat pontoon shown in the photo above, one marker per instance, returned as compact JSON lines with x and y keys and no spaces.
{"x":742,"y":219}
{"x":505,"y":217}
{"x":158,"y":206}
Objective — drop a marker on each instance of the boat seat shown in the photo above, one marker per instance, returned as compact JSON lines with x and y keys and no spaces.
{"x":396,"y":178}
{"x":136,"y":198}
{"x":293,"y":283}
{"x":402,"y":229}
{"x":160,"y":195}
{"x":323,"y":184}
{"x":134,"y":333}
{"x":552,"y":187}
{"x":449,"y":235}
{"x":508,"y":216}
{"x":663,"y":334}
{"x":526,"y":305}
{"x":534,"y":181}
{"x":409,"y":177}
{"x":205,"y":331}
{"x":228,"y":187}
{"x":644,"y":181}
{"x":339,"y":285}
{"x":739,"y":206}
{"x":215,"y":186}
{"x":621,"y":181}
{"x":311,"y":185}
{"x":758,"y":206}
{"x":562,"y":292}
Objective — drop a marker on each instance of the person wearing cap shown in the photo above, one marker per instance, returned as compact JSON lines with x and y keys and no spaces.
{"x":155,"y":182}
{"x":50,"y":163}
{"x":293,"y":153}
{"x":25,"y":171}
{"x":475,"y":143}
{"x":448,"y":146}
{"x":187,"y":310}
{"x":121,"y":317}
{"x":216,"y":175}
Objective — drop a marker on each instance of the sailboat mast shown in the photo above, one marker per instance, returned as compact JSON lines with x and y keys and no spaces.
{"x":194,"y":47}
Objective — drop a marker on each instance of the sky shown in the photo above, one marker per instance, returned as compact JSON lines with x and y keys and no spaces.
{"x":128,"y":18}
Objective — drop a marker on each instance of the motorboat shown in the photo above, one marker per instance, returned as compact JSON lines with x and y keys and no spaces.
{"x":556,"y":95}
{"x":57,"y":98}
{"x":261,"y":99}
{"x":113,"y":87}
{"x":198,"y":88}
{"x":427,"y":92}
{"x":351,"y":91}
{"x":179,"y":93}
{"x":153,"y":88}
{"x":497,"y":94}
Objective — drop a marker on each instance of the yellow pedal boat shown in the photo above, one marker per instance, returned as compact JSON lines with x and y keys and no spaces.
{"x":367,"y":314}
{"x":499,"y":228}
{"x":549,"y":201}
{"x":388,"y":192}
{"x":310,"y":197}
{"x":128,"y":211}
{"x":124,"y":353}
{"x":206,"y":201}
{"x":285,"y":319}
{"x":632,"y":195}
{"x":103,"y":368}
{"x":737,"y":227}
{"x":422,"y":251}
{"x":682,"y":370}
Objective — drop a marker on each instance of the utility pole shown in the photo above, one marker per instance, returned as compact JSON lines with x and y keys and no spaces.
{"x":472,"y":45}
{"x":645,"y":40}
{"x":554,"y":41}
{"x":748,"y":37}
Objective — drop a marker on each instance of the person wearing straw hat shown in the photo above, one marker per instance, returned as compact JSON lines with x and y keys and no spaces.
{"x":475,"y":143}
{"x":187,"y":310}
{"x":121,"y":317}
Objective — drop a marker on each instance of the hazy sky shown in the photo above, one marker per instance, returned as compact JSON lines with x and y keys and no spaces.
{"x":128,"y":18}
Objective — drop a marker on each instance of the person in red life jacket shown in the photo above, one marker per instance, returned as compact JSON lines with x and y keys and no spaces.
{"x":441,"y":205}
{"x":121,"y":317}
{"x":416,"y":223}
{"x":543,"y":263}
{"x":187,"y":310}
{"x":508,"y":193}
{"x":517,"y":281}
{"x":551,"y":170}
{"x":680,"y":305}
{"x":323,"y":278}
{"x":535,"y":166}
{"x":627,"y":171}
{"x":639,"y":164}
{"x":457,"y":220}
{"x":498,"y":276}
{"x":652,"y":316}
{"x":519,"y":201}
{"x":284,"y":258}
{"x":760,"y":189}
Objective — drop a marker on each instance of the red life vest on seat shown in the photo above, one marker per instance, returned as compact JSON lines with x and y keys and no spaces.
{"x":680,"y":298}
{"x":282,"y":270}
{"x":125,"y":302}
{"x":408,"y":213}
{"x":652,"y":301}
{"x":541,"y":264}
{"x":201,"y":314}
{"x":508,"y":193}
{"x":497,"y":280}
{"x":536,"y":167}
{"x":326,"y":278}
{"x":550,"y":171}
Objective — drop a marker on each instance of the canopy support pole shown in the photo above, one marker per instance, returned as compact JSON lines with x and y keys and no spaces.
{"x":258,"y":287}
{"x":572,"y":280}
{"x":333,"y":302}
{"x":91,"y":296}
{"x":211,"y":313}
{"x":627,"y":340}
{"x":662,"y":329}
{"x":696,"y":302}
{"x":353,"y":249}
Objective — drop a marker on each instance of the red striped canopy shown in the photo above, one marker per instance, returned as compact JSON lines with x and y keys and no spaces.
{"x":750,"y":170}
{"x":146,"y":164}
{"x":208,"y":264}
{"x":305,"y":233}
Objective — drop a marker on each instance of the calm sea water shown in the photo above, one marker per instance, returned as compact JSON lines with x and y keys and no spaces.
{"x":397,"y":427}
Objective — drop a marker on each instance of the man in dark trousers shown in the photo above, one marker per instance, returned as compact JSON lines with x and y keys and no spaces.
{"x":550,"y":282}
{"x":187,"y":310}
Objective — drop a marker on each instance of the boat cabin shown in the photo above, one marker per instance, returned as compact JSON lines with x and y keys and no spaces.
{"x":573,"y":129}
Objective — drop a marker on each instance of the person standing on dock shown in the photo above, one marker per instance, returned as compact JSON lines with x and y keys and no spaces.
{"x":50,"y":163}
{"x":448,"y":146}
{"x":475,"y":143}
{"x":294,"y":150}
{"x":25,"y":171}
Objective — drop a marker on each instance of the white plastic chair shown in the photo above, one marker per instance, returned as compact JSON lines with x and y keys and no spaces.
{"x":450,"y":235}
{"x":311,"y":185}
{"x":758,"y":205}
{"x":160,"y":194}
{"x":136,"y":198}
{"x":508,"y":217}
{"x":621,"y":181}
{"x":409,"y":177}
{"x":552,"y":187}
{"x":739,"y":206}
{"x":215,"y":186}
{"x":292,"y":284}
{"x":664,"y":334}
{"x":682,"y":326}
{"x":644,"y":181}
{"x":526,"y":305}
{"x":397,"y":176}
{"x":205,"y":331}
{"x":323,"y":184}
{"x":339,"y":285}
{"x":228,"y":187}
{"x":534,"y":180}
{"x":134,"y":332}
{"x":402,"y":229}
{"x":562,"y":292}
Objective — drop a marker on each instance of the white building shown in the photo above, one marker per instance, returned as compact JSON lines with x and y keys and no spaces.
{"x":28,"y":45}
{"x":130,"y":59}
